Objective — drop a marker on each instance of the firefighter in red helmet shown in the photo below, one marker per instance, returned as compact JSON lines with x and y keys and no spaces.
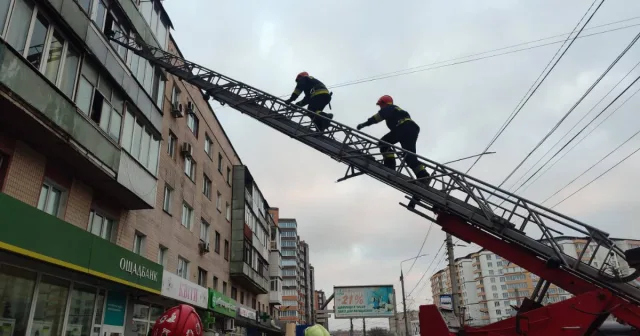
{"x":401,"y":129}
{"x":316,"y":95}
{"x":181,"y":320}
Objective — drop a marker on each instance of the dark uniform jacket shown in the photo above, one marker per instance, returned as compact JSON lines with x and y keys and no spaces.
{"x":393,"y":115}
{"x":310,"y":86}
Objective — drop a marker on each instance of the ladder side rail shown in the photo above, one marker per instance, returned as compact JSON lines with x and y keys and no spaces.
{"x":184,"y":70}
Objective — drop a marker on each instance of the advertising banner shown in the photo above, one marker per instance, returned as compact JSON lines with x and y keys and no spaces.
{"x":363,"y":301}
{"x":222,"y":304}
{"x":184,"y":290}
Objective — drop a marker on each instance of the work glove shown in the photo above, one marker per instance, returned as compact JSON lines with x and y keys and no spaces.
{"x":361,"y":126}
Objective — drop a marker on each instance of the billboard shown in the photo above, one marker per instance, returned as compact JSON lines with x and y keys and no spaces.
{"x":363,"y":301}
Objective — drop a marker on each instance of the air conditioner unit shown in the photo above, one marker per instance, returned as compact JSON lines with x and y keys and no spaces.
{"x":176,"y":110}
{"x":204,"y":246}
{"x":229,"y":324}
{"x":187,"y":149}
{"x":190,"y":107}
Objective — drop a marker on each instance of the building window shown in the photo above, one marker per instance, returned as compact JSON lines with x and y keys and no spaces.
{"x":4,"y":164}
{"x":138,"y":243}
{"x":60,"y":61}
{"x":187,"y":215}
{"x":138,"y":140}
{"x":175,"y":95}
{"x":253,"y":303}
{"x":51,"y":199}
{"x":162,"y":256}
{"x":215,"y":283}
{"x":52,"y":295}
{"x":234,"y":293}
{"x":190,"y":168}
{"x":18,"y":286}
{"x":204,"y":231}
{"x":224,"y":287}
{"x":227,"y":211}
{"x":202,"y":277}
{"x":220,"y":163}
{"x":229,"y":175}
{"x":167,"y":200}
{"x":217,"y":246}
{"x":101,"y":226}
{"x":206,"y":186}
{"x":152,"y":13}
{"x":208,"y":145}
{"x":241,"y":297}
{"x":172,"y":144}
{"x":226,"y":249}
{"x":183,"y":268}
{"x":192,"y":122}
{"x":219,"y":201}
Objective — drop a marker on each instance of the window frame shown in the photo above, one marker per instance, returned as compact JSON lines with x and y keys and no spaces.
{"x":207,"y":186}
{"x":139,"y":240}
{"x":105,"y":217}
{"x":189,"y":225}
{"x":166,"y":206}
{"x":185,"y":268}
{"x":217,"y":242}
{"x":204,"y":236}
{"x":60,"y":211}
{"x":162,"y":255}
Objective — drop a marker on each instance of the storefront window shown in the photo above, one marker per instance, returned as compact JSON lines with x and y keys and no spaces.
{"x":16,"y":293}
{"x":97,"y":323}
{"x":144,"y":317}
{"x":50,"y":307}
{"x":81,"y":311}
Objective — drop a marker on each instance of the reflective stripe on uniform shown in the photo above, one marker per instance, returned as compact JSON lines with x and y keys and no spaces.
{"x":319,"y":92}
{"x":401,"y":121}
{"x":389,"y":155}
{"x":297,"y":92}
{"x":377,"y":117}
{"x":420,"y":168}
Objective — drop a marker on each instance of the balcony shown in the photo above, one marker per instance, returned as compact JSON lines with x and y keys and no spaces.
{"x":36,"y":110}
{"x":248,"y":278}
{"x":275,"y":297}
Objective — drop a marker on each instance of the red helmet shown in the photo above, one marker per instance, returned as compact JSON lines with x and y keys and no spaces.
{"x":302,"y":74}
{"x":386,"y":99}
{"x":181,"y":320}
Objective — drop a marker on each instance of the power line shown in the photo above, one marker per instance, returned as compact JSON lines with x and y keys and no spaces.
{"x":604,"y":173}
{"x":431,"y":66}
{"x":586,"y":136}
{"x":421,"y":247}
{"x":426,"y":271}
{"x":533,"y":90}
{"x":572,"y":109}
{"x":567,"y":133}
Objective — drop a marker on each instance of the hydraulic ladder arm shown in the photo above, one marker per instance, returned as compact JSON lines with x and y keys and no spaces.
{"x":508,"y":218}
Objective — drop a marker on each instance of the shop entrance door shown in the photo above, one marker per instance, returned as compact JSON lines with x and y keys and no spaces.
{"x":109,"y":330}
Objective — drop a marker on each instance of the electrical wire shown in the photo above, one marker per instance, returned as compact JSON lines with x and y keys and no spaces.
{"x":426,"y":271}
{"x":586,"y":136}
{"x":421,"y":247}
{"x":533,"y":90}
{"x":431,"y":66}
{"x":555,"y":127}
{"x":567,"y":133}
{"x":604,"y":173}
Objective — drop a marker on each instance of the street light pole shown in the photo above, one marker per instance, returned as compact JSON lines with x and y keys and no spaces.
{"x":404,"y":298}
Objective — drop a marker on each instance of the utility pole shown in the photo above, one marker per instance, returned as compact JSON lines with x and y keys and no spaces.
{"x":351,"y":330}
{"x":395,"y":312}
{"x":453,"y":275}
{"x":404,"y":305}
{"x":364,"y":327}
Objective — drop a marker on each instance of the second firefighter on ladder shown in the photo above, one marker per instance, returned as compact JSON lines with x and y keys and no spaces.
{"x":402,"y":129}
{"x":316,"y":95}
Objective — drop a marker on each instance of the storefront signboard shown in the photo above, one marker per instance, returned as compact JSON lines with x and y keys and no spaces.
{"x":222,"y":304}
{"x":247,"y":313}
{"x":67,"y":245}
{"x":115,"y":308}
{"x":184,"y":290}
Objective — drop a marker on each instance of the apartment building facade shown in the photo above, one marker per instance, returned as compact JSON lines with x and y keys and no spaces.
{"x":319,"y":300}
{"x":122,"y":171}
{"x":490,"y":286}
{"x":275,"y":264}
{"x":305,"y":295}
{"x":290,"y":311}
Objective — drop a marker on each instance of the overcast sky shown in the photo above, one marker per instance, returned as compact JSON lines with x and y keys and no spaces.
{"x":357,"y":232}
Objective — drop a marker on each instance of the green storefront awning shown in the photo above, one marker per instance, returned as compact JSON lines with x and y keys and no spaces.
{"x":36,"y":234}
